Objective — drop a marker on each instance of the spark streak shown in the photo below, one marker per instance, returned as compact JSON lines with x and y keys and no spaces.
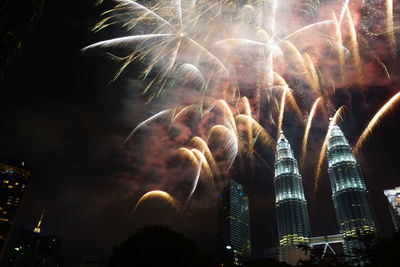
{"x":145,"y":122}
{"x":375,"y":121}
{"x":308,"y":27}
{"x":389,"y":27}
{"x":231,"y":146}
{"x":354,"y":49}
{"x":312,"y":73}
{"x":202,"y":146}
{"x":258,"y":130}
{"x":204,"y":164}
{"x":124,"y":41}
{"x":194,"y":185}
{"x":307,"y":130}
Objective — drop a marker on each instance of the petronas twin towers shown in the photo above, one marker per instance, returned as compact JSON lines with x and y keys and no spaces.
{"x":350,"y":197}
{"x":290,"y":203}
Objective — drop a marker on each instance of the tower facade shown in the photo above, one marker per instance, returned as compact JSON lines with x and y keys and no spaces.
{"x":13,"y":182}
{"x":234,"y":224}
{"x":290,"y":204}
{"x":31,"y":248}
{"x":393,"y":196}
{"x":350,"y":196}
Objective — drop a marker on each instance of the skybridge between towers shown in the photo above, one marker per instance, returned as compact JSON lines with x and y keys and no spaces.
{"x":326,"y":240}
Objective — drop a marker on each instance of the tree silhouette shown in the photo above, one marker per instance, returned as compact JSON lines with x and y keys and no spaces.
{"x":155,"y":246}
{"x":265,"y":263}
{"x":384,"y":251}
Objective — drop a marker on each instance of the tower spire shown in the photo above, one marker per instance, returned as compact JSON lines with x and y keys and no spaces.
{"x":37,"y":228}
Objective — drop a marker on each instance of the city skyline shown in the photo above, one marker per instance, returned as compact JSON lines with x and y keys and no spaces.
{"x":66,"y":122}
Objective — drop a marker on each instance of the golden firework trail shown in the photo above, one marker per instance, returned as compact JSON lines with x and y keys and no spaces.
{"x":237,"y":41}
{"x":183,"y":111}
{"x":322,"y":153}
{"x":389,"y":27}
{"x":188,"y":154}
{"x":294,"y":58}
{"x":164,"y":48}
{"x":375,"y":56}
{"x":308,"y":27}
{"x":280,"y":83}
{"x":339,"y":40}
{"x":258,"y":130}
{"x":194,"y":185}
{"x":200,"y":163}
{"x":307,"y":130}
{"x":157,"y":194}
{"x":343,"y":10}
{"x":227,"y":112}
{"x":190,"y":72}
{"x":197,"y":163}
{"x":353,"y":43}
{"x":375,"y":121}
{"x":202,"y":146}
{"x":159,"y":115}
{"x":312,"y":75}
{"x":204,"y":164}
{"x":244,"y":102}
{"x":231,"y":146}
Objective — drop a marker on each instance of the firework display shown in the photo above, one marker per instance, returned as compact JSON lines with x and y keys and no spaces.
{"x":246,"y":69}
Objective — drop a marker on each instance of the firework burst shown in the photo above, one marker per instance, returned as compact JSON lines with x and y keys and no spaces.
{"x":251,"y":67}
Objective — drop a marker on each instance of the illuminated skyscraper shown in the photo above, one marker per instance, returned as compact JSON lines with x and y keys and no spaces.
{"x":32,"y":249}
{"x":13,"y":181}
{"x":350,"y":196}
{"x":393,"y":196}
{"x":290,"y":204}
{"x":234,"y":224}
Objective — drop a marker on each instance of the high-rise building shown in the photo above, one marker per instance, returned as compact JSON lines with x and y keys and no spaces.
{"x":393,"y":196}
{"x":13,"y":182}
{"x":290,"y":204}
{"x":31,"y":248}
{"x":234,"y":224}
{"x":349,"y":193}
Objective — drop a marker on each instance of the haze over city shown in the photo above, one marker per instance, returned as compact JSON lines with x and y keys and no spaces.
{"x":123,"y":114}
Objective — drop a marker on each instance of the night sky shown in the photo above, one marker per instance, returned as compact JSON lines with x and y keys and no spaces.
{"x":61,"y":116}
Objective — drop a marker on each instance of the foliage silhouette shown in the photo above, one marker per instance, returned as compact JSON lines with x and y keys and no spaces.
{"x":156,"y":246}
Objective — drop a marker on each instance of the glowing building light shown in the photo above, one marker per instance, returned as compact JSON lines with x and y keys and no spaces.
{"x":349,"y":193}
{"x":234,"y":224}
{"x":393,"y":196}
{"x":290,"y":203}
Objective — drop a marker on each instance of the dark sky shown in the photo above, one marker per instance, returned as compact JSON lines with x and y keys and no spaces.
{"x":60,"y":116}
